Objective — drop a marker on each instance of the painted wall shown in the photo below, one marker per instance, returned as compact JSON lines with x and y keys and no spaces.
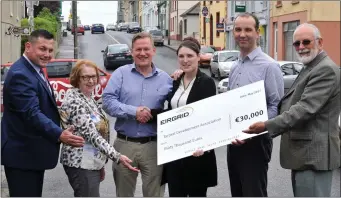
{"x":218,"y":41}
{"x":11,"y":14}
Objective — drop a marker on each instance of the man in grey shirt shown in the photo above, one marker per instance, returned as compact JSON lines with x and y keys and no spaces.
{"x":248,"y":160}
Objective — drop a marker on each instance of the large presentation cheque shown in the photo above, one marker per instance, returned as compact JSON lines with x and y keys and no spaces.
{"x":210,"y":123}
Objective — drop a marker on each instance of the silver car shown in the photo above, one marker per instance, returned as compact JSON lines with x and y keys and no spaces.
{"x":290,"y":70}
{"x":221,"y":63}
{"x":157,"y":36}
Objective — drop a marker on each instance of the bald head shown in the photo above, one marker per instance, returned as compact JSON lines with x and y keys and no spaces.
{"x":309,"y":28}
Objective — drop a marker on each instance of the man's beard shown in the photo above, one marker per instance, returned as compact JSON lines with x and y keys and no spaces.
{"x":307,"y":59}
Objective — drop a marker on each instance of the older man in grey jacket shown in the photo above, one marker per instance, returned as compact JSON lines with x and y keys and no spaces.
{"x":308,"y":120}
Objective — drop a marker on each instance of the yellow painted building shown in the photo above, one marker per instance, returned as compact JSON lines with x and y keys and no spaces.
{"x":209,"y":33}
{"x":285,"y":16}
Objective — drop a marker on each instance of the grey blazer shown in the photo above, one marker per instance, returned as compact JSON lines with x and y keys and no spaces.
{"x":308,"y":119}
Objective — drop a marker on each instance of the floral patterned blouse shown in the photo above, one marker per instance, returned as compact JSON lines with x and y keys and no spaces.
{"x":91,"y":123}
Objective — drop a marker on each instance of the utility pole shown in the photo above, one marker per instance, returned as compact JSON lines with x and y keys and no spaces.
{"x":75,"y":26}
{"x":169,"y":20}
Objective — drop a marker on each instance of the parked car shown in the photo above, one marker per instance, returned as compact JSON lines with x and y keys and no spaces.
{"x":86,"y":27}
{"x":98,"y":27}
{"x":290,"y":70}
{"x":222,"y":62}
{"x":206,"y":53}
{"x":58,"y":73}
{"x":116,"y":55}
{"x":133,"y":27}
{"x":157,"y":37}
{"x":123,"y":26}
{"x":148,"y":28}
{"x":110,"y":27}
{"x":80,"y":29}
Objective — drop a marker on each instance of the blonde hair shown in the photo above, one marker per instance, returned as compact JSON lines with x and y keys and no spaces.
{"x":76,"y":71}
{"x":141,"y":35}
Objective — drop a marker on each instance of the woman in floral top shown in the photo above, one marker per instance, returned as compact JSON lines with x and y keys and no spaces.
{"x":84,"y":166}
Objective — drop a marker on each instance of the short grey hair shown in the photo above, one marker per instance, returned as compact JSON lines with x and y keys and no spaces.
{"x":317,"y":32}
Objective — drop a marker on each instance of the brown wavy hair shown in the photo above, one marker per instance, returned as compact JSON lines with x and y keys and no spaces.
{"x":76,"y":71}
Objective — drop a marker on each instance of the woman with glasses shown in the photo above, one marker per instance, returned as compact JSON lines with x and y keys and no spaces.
{"x":84,"y":166}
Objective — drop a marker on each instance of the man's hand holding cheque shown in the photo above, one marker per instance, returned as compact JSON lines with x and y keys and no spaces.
{"x":255,"y":128}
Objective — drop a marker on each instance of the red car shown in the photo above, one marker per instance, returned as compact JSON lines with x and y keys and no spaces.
{"x":80,"y":29}
{"x":58,"y":73}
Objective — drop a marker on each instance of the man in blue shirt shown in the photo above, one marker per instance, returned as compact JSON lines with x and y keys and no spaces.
{"x":248,"y":160}
{"x":131,"y":95}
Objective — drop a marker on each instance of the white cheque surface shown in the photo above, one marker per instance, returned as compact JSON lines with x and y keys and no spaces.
{"x":210,"y":123}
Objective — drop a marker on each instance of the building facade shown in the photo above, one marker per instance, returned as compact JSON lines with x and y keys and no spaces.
{"x":11,"y":14}
{"x":212,"y":31}
{"x":287,"y":15}
{"x":133,"y":11}
{"x":150,"y":13}
{"x":259,"y":8}
{"x":120,"y":11}
{"x":176,"y":21}
{"x":191,"y":21}
{"x":163,"y":16}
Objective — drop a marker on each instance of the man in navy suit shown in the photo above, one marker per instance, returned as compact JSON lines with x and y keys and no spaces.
{"x":30,"y":131}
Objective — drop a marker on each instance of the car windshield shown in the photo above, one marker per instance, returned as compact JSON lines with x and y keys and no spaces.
{"x":59,"y":69}
{"x":134,"y":24}
{"x":155,"y":33}
{"x":206,"y":50}
{"x":97,"y":25}
{"x":228,"y":56}
{"x":118,"y":49}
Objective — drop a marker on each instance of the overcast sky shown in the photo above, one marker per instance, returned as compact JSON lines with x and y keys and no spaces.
{"x":93,"y":11}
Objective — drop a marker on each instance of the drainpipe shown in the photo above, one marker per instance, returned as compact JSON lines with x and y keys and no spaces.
{"x":268,"y":27}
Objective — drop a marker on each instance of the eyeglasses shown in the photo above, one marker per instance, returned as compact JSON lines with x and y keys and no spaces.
{"x":305,"y":42}
{"x":87,"y":78}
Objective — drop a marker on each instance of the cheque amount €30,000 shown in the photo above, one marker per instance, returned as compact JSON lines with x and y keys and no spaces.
{"x":210,"y":123}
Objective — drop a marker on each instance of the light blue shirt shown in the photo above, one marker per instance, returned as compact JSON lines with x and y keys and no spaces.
{"x":128,"y":89}
{"x":258,"y":66}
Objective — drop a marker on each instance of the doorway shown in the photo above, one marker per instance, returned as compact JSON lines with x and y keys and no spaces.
{"x":180,"y":33}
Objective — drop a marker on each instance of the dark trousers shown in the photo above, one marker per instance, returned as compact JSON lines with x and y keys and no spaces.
{"x":248,"y":167}
{"x":176,"y":190}
{"x":24,"y":183}
{"x":85,"y":183}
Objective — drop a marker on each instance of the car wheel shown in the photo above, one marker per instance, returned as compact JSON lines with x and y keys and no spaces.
{"x":212,"y":75}
{"x":92,"y":32}
{"x":83,"y":33}
{"x":162,"y":44}
{"x":103,"y":32}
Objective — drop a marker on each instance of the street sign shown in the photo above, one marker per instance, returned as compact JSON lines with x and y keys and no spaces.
{"x":220,"y":26}
{"x":204,"y":11}
{"x":240,"y":6}
{"x":19,"y":30}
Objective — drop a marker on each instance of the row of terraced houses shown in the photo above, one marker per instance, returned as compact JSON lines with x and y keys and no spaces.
{"x":211,"y":22}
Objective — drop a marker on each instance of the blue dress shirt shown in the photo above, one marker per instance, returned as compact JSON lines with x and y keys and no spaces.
{"x":128,"y":89}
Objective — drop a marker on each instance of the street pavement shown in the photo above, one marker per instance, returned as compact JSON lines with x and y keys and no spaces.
{"x":56,"y":183}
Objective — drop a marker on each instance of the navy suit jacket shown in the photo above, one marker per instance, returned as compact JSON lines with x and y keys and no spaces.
{"x":30,"y":126}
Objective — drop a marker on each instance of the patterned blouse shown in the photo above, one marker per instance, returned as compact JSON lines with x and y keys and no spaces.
{"x":91,"y":123}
